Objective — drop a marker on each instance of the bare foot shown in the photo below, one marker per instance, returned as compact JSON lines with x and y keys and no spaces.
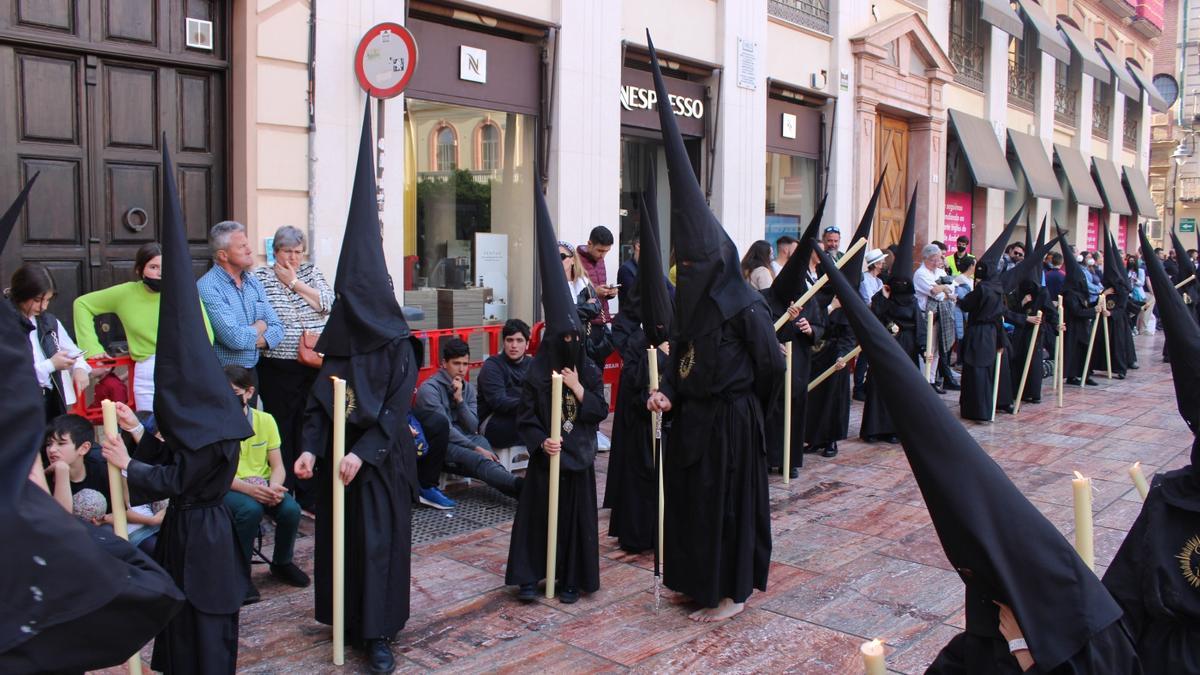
{"x":726,"y":609}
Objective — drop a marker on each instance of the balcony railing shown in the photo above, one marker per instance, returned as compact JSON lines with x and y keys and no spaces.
{"x":1101,"y":114}
{"x":812,"y":14}
{"x":967,"y":56}
{"x":1066,"y":106}
{"x":1129,"y":132}
{"x":1022,"y":83}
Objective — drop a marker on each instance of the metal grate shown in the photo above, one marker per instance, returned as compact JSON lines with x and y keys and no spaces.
{"x":1066,"y":110}
{"x":812,"y":14}
{"x":966,"y":43}
{"x":477,"y":508}
{"x":1129,"y":125}
{"x":1101,"y":109}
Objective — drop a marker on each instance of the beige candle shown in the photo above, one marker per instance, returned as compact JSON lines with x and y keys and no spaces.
{"x":874,"y":662}
{"x":1033,"y":347}
{"x":838,"y":365}
{"x":556,"y":385}
{"x":1139,"y":480}
{"x":1087,"y":359}
{"x":787,"y":415}
{"x":339,"y":522}
{"x":656,"y":446}
{"x":812,"y":290}
{"x":1060,"y":351}
{"x":116,"y":491}
{"x":929,"y":345}
{"x":1082,"y":488}
{"x":996,"y":383}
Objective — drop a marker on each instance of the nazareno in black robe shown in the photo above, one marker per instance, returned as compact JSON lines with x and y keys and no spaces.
{"x":802,"y":354}
{"x":717,"y":524}
{"x":1120,"y":335}
{"x":198,"y":548}
{"x":828,"y":410}
{"x":632,"y":487}
{"x":1024,"y":333}
{"x":578,"y":557}
{"x":905,"y":321}
{"x":1079,"y":314}
{"x":1155,"y":576}
{"x":983,"y":336}
{"x":379,"y":386}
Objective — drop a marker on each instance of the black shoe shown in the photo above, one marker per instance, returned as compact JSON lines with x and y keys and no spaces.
{"x":252,"y":596}
{"x":290,"y":575}
{"x":1119,"y":376}
{"x":794,"y":473}
{"x":950,"y":386}
{"x":527,"y":592}
{"x":811,"y":449}
{"x":1092,"y":383}
{"x":775,"y":469}
{"x":859,"y":395}
{"x":830,"y":450}
{"x":379,"y":656}
{"x":893,"y":439}
{"x":568,"y":595}
{"x":1032,"y":400}
{"x":938,"y":388}
{"x":1133,"y":366}
{"x":1074,"y":381}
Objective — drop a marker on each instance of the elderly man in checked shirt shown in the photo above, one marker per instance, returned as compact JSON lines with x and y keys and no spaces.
{"x":242,"y":319}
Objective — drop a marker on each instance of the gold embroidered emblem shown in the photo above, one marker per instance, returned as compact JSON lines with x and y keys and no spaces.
{"x":1110,"y":304}
{"x":688,"y":361}
{"x":351,"y":401}
{"x":1189,"y":561}
{"x":570,"y":408}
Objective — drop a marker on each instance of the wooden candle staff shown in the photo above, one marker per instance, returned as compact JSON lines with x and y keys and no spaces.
{"x":929,"y":344}
{"x":556,"y":385}
{"x":1060,"y":351}
{"x":996,"y":383}
{"x":339,"y":522}
{"x":1185,"y":282}
{"x":1087,"y":359}
{"x":656,"y":449}
{"x":1033,"y":349}
{"x":837,"y":365}
{"x":1107,"y":349}
{"x":1082,"y":490}
{"x":116,"y":492}
{"x":812,"y":290}
{"x":787,"y":415}
{"x":1139,"y":480}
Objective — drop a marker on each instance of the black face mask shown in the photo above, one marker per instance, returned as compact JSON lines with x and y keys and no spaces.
{"x":153,"y":284}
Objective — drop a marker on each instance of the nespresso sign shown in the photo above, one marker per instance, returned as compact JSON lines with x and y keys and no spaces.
{"x":639,"y":102}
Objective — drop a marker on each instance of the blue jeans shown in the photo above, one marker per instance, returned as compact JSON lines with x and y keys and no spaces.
{"x":248,"y":513}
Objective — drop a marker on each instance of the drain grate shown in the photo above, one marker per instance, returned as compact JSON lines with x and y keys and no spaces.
{"x":478,"y":507}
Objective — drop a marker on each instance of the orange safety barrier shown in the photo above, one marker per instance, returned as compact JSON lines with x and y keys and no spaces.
{"x":90,"y":409}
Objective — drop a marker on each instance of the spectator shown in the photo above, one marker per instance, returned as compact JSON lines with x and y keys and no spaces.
{"x":1092,"y":272}
{"x":71,"y":470}
{"x":591,"y":256}
{"x":258,"y":490}
{"x":500,"y":382}
{"x":756,"y":265}
{"x":964,"y":283}
{"x":447,"y":394}
{"x":243,"y":321}
{"x":958,"y":262}
{"x":831,"y":239}
{"x":136,"y":305}
{"x":870,"y":285}
{"x":1055,"y":276}
{"x":52,"y":349}
{"x":928,"y":283}
{"x":301,"y":299}
{"x":1014,"y":253}
{"x":785,"y":246}
{"x":590,"y":305}
{"x":627,"y":272}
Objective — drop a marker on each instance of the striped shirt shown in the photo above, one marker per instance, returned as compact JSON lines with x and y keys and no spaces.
{"x":293,"y":310}
{"x":232,"y":311}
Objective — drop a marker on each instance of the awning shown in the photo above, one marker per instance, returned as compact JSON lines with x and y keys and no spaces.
{"x":984,"y":155}
{"x":1088,"y":57}
{"x":1138,"y":193}
{"x":1048,"y":39}
{"x":1157,"y":102}
{"x":1001,"y":15}
{"x":1078,"y":177}
{"x":1031,"y":155}
{"x":1125,"y":83}
{"x":1110,"y":186}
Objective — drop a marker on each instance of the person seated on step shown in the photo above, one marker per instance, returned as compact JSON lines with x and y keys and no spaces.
{"x":448,"y":395}
{"x":500,"y":382}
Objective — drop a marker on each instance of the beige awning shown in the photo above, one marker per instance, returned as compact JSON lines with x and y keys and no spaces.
{"x":1138,"y":193}
{"x":984,"y":154}
{"x":1048,"y":39}
{"x":1079,"y":179}
{"x":1035,"y":164}
{"x":1111,"y":189}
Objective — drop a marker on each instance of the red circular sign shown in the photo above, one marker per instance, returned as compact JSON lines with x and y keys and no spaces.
{"x":385,"y":60}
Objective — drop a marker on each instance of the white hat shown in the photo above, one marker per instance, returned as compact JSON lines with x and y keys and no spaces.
{"x":875,"y":255}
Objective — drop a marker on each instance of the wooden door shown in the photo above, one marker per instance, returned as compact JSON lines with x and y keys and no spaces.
{"x":96,"y":84}
{"x":892,"y":153}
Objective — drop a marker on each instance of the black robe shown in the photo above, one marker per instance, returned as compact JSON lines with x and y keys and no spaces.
{"x":1147,"y":578}
{"x":578,"y":557}
{"x":717,"y":525}
{"x":906,"y":322}
{"x":1120,"y":336}
{"x":802,"y":354}
{"x":983,"y":336}
{"x":1079,"y":313}
{"x":828,"y":411}
{"x":379,"y":500}
{"x":198,"y":548}
{"x":1108,"y":652}
{"x":1020,"y":345}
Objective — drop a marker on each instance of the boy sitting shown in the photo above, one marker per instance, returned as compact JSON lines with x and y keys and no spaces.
{"x":71,"y":470}
{"x":258,"y":488}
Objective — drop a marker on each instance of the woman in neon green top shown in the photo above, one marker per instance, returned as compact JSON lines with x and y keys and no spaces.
{"x":136,"y":304}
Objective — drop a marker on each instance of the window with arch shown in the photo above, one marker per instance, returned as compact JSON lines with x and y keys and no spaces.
{"x":489,"y":151}
{"x":445,"y":148}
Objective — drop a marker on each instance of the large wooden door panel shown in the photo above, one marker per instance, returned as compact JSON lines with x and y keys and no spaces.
{"x":892,"y":154}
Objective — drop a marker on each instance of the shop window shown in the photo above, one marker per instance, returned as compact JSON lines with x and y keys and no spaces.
{"x":967,"y":38}
{"x":792,"y":184}
{"x":473,"y":215}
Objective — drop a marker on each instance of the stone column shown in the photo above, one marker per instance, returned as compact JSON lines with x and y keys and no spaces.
{"x":1116,"y":129}
{"x":927,"y":147}
{"x":1044,"y":118}
{"x":1083,"y":143}
{"x":995,"y":86}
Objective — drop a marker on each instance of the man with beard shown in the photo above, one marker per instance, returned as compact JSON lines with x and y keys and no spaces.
{"x":725,"y":370}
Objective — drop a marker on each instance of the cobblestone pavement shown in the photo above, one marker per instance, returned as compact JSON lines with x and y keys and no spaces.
{"x":855,"y":557}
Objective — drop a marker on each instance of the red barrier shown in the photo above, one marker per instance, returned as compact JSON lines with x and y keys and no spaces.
{"x":90,"y":409}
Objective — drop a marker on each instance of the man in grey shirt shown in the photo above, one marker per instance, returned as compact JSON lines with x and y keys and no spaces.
{"x":447,"y":394}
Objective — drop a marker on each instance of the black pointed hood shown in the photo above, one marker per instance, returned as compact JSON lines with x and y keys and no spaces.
{"x":1001,"y":545}
{"x":193,"y":403}
{"x":1183,"y":342}
{"x":1115,"y":275}
{"x":1076,"y":278}
{"x":900,"y":279}
{"x":991,"y":257}
{"x":792,"y":280}
{"x":1028,"y":240}
{"x":710,"y":288}
{"x":656,"y":311}
{"x":365,"y":314}
{"x":1029,"y":270}
{"x":558,"y":305}
{"x":854,"y":266}
{"x":9,"y":220}
{"x":1186,"y":267}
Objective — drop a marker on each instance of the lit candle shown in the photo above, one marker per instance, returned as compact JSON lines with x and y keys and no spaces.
{"x":1083,"y":519}
{"x":1139,"y":479}
{"x":872,"y":654}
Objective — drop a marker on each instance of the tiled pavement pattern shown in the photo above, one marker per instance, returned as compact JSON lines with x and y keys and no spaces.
{"x":855,"y":557}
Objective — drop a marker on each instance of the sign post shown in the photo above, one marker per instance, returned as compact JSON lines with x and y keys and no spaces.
{"x":1187,"y":224}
